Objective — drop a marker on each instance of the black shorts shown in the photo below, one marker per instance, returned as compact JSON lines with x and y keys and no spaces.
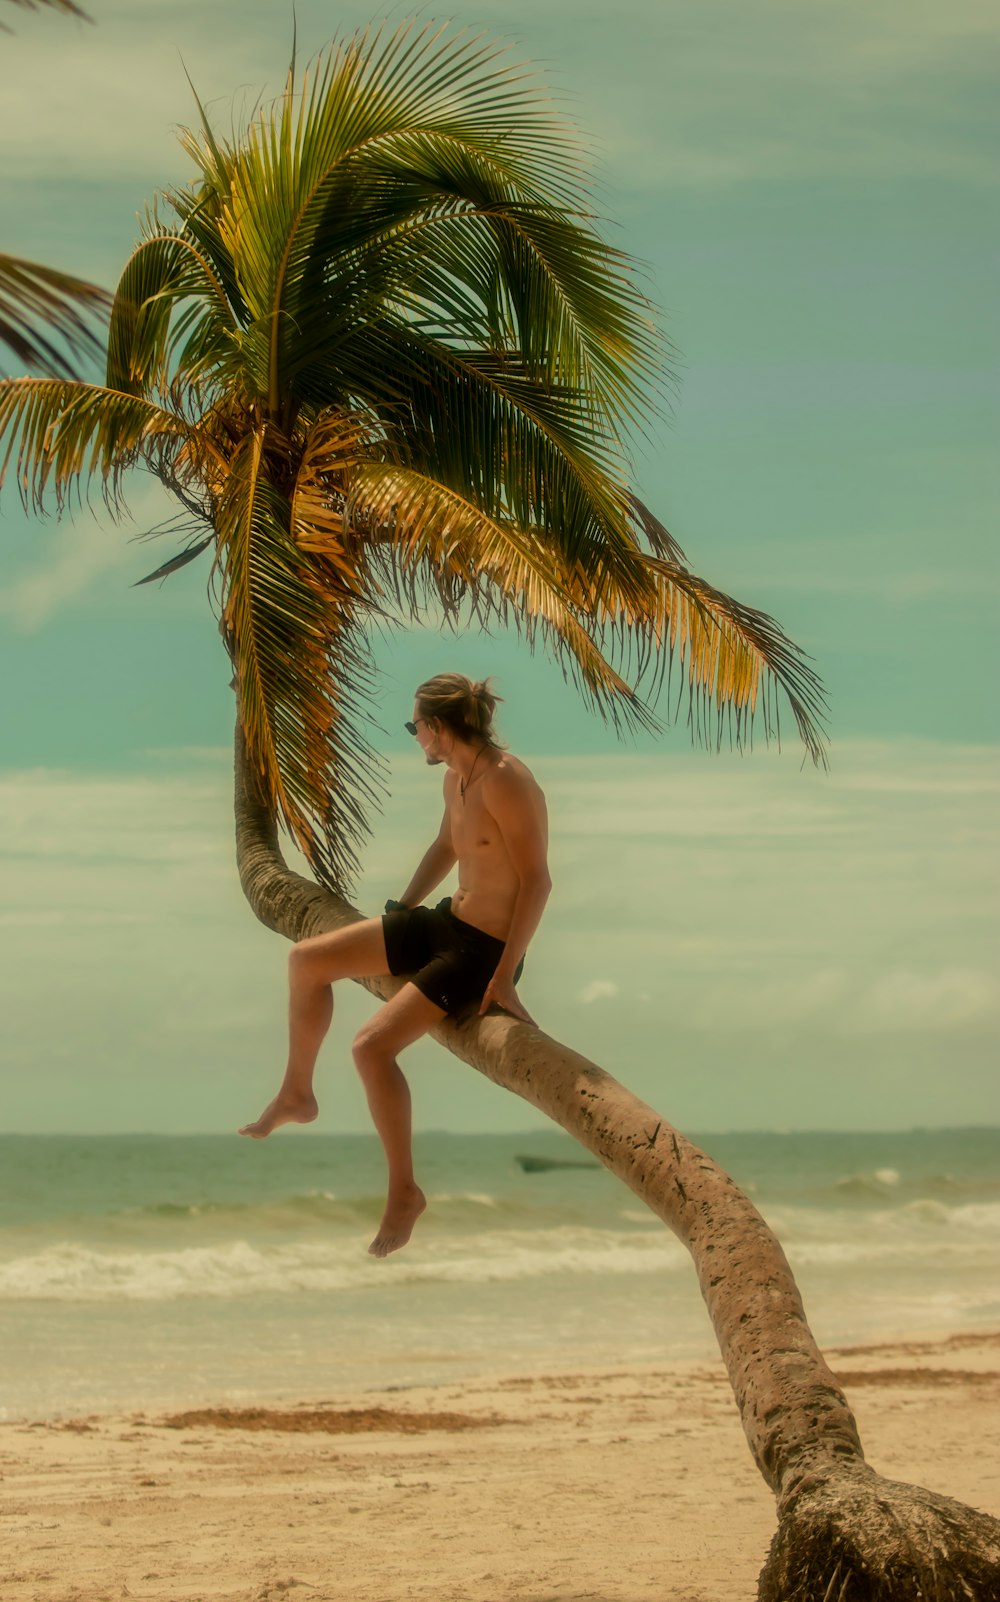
{"x":449,"y":961}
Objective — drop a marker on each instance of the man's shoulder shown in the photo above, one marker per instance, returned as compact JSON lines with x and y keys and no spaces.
{"x":510,"y":776}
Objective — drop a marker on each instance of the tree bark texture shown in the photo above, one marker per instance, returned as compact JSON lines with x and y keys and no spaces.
{"x":797,"y":1422}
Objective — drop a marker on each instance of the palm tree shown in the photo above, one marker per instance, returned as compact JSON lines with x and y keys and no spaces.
{"x":381,"y":354}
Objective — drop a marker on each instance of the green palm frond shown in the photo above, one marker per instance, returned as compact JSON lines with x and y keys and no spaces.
{"x":512,"y":446}
{"x":175,"y":563}
{"x":534,"y":284}
{"x":327,"y":206}
{"x":49,"y":320}
{"x":162,"y":321}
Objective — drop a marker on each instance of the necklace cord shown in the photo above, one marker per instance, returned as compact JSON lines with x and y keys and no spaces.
{"x":463,"y":784}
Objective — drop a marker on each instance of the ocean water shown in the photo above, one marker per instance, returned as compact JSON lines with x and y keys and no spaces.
{"x":146,"y":1271}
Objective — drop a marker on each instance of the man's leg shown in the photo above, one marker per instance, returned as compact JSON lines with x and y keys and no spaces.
{"x":354,"y":953}
{"x":396,"y":1025}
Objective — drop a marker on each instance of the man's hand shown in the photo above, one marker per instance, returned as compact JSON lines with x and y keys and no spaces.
{"x":500,"y":992}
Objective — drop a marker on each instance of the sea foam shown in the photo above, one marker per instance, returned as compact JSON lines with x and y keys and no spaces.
{"x":72,"y":1272}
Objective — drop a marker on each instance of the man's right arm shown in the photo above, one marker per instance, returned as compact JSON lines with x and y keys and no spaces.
{"x":437,"y":861}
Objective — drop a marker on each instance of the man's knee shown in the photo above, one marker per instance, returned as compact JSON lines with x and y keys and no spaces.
{"x":368,"y":1049}
{"x":301,"y":963}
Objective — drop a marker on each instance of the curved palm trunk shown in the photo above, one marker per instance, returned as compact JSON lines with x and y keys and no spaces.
{"x":844,"y":1534}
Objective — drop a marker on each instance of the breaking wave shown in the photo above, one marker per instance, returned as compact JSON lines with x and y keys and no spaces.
{"x":72,"y":1272}
{"x":256,"y":1263}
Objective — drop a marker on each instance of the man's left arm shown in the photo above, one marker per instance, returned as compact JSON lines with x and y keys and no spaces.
{"x":513,"y":803}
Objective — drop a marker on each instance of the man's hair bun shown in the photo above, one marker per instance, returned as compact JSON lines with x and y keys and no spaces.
{"x":463,"y":706}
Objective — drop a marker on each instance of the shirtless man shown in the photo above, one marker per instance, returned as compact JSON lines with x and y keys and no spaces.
{"x":468,"y":949}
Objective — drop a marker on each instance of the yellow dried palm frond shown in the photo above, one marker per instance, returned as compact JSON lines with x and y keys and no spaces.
{"x":731,"y":660}
{"x":502,"y":571}
{"x":302,"y":670}
{"x":610,"y":637}
{"x":59,"y":433}
{"x":335,"y":445}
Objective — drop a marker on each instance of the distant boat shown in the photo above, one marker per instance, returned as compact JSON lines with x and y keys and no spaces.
{"x":541,"y":1165}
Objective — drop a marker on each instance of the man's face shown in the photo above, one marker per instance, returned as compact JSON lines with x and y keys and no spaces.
{"x":428,"y":739}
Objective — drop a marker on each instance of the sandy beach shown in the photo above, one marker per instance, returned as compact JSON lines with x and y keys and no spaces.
{"x":618,"y":1485}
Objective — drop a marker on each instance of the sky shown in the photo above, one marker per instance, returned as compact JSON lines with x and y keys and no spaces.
{"x":746,"y":941}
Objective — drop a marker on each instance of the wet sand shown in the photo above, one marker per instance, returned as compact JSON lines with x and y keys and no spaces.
{"x":620,"y":1485}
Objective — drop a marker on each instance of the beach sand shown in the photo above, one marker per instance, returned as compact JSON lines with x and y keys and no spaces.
{"x":619,"y":1485}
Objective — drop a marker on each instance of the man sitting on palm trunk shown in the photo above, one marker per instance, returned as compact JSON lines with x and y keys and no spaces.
{"x":468,"y":949}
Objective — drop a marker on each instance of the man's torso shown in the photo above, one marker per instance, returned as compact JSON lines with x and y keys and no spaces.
{"x":487,"y":881}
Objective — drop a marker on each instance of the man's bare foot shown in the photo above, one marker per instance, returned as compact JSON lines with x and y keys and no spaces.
{"x":284,"y":1109}
{"x":401,"y":1213}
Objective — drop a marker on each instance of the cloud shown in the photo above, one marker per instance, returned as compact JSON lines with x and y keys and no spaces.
{"x":107,"y":99}
{"x":598,"y":990}
{"x":781,"y":960}
{"x":756,"y":899}
{"x":718,"y":93}
{"x":779,"y":91}
{"x":75,"y":557}
{"x":53,"y":564}
{"x":908,"y":1000}
{"x":767,"y":796}
{"x":133,"y":819}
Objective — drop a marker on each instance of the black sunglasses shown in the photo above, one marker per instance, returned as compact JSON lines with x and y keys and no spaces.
{"x":411,"y":728}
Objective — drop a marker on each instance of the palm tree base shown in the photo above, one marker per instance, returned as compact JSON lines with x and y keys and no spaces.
{"x":852,"y":1536}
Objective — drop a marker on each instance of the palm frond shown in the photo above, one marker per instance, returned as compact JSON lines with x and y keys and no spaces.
{"x":732,"y":661}
{"x":514,"y":447}
{"x":531,"y":281}
{"x":386,"y":527}
{"x":58,"y":433}
{"x":323,"y":187}
{"x":730,"y":657}
{"x":148,"y":342}
{"x":649,"y":528}
{"x":501,"y":571}
{"x":302,"y":672}
{"x":610,"y":639}
{"x":50,"y":320}
{"x":334,"y":447}
{"x":175,"y":563}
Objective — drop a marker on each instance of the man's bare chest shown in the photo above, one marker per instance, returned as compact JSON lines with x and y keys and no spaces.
{"x":473,"y":829}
